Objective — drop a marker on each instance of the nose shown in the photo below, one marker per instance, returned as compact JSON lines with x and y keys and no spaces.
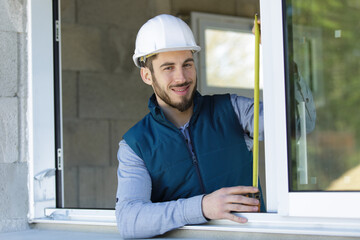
{"x":180,"y":76}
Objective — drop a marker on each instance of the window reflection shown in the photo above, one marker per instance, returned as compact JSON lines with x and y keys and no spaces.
{"x":323,"y":44}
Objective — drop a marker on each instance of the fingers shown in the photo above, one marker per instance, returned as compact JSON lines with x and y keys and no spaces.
{"x":253,"y":28}
{"x":234,"y":207}
{"x":220,"y":204}
{"x":241,"y":190}
{"x":240,"y":199}
{"x":235,"y":218}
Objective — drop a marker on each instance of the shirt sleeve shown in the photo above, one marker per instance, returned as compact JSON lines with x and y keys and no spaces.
{"x":244,"y":110}
{"x":136,"y":215}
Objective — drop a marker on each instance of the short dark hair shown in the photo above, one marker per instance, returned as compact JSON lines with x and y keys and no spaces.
{"x":148,"y":63}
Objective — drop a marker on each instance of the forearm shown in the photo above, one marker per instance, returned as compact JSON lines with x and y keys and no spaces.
{"x":138,"y":219}
{"x":136,"y":215}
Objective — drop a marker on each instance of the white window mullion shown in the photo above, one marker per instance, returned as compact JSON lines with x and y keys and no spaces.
{"x":274,"y":105}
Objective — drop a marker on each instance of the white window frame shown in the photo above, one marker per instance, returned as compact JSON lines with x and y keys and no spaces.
{"x":41,"y":108}
{"x":282,"y":205}
{"x":299,"y":204}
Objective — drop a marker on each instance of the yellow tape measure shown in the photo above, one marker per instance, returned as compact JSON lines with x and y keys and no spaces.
{"x":256,"y":107}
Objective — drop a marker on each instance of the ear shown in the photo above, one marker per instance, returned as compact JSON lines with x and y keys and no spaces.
{"x":146,"y":75}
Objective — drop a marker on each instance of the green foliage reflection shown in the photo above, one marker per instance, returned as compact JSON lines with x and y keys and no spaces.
{"x":324,"y":41}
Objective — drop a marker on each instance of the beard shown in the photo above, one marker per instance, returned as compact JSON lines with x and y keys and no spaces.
{"x":185,"y":102}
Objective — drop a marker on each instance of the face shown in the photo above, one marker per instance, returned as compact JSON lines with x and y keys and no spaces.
{"x":174,"y":79}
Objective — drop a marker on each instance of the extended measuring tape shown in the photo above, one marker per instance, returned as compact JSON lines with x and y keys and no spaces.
{"x":256,"y":114}
{"x":256,"y":107}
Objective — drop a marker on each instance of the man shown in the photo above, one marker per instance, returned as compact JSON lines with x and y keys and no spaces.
{"x":189,"y":160}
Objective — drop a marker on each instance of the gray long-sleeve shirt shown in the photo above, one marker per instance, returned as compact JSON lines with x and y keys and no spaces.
{"x":137,"y":216}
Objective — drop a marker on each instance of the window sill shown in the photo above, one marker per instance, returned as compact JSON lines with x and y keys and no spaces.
{"x":273,"y":223}
{"x":270,"y":223}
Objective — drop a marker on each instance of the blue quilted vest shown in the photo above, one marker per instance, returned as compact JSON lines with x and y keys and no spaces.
{"x":222,"y":157}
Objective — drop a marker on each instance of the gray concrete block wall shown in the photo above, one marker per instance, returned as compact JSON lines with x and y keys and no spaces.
{"x":244,"y":9}
{"x":12,"y":15}
{"x":69,"y":94}
{"x":103,"y":94}
{"x":68,"y":11}
{"x":87,"y":186}
{"x":86,"y":143}
{"x":82,"y":48}
{"x":126,"y":14}
{"x":118,"y":129}
{"x":13,"y":110}
{"x":241,"y":8}
{"x":71,"y":182}
{"x":9,"y":134}
{"x":94,"y":184}
{"x":8,"y":62}
{"x":226,"y":7}
{"x":120,"y":41}
{"x":112,"y":96}
{"x":13,"y":202}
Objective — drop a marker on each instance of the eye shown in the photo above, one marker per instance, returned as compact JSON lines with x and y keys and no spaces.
{"x":188,"y":65}
{"x":168,"y":68}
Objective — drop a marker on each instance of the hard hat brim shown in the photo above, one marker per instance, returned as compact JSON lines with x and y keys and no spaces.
{"x":136,"y":57}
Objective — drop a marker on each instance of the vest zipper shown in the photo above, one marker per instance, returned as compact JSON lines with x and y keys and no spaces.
{"x":195,"y":162}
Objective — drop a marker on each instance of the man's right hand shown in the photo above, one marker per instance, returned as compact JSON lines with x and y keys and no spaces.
{"x":220,"y":204}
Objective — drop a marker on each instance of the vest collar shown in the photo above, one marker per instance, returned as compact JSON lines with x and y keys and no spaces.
{"x":158,"y":113}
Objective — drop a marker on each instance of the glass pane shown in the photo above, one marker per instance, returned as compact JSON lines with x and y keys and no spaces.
{"x":229,"y":59}
{"x":323,"y":50}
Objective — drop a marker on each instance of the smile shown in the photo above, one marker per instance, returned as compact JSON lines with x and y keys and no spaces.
{"x":181,"y":90}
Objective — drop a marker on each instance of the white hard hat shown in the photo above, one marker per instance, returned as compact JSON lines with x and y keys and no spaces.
{"x":163,"y":33}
